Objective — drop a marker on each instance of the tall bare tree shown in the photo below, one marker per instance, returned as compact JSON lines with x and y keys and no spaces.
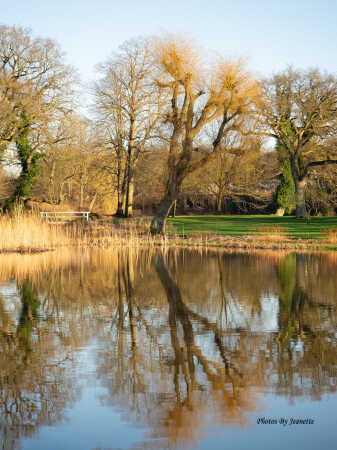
{"x":128,"y":107}
{"x":300,"y":111}
{"x":207,"y":104}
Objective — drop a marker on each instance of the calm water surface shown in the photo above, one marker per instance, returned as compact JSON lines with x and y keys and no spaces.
{"x":109,"y":350}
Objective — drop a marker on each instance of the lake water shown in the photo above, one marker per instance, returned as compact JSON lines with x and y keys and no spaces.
{"x":109,"y":350}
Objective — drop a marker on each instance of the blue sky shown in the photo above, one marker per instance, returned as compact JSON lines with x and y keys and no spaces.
{"x":270,"y":34}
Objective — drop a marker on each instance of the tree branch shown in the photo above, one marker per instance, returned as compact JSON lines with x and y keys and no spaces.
{"x":321,"y":163}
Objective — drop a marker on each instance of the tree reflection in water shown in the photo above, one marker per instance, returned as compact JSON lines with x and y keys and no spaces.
{"x":33,"y":388}
{"x":184,"y":340}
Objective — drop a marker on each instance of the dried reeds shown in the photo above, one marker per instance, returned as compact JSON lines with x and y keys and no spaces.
{"x":329,"y":235}
{"x":275,"y":233}
{"x":28,"y":233}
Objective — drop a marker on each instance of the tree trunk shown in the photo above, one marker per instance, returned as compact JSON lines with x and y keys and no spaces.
{"x":127,"y":195}
{"x":61,"y":194}
{"x":129,"y":170}
{"x":173,"y":187}
{"x":129,"y":200}
{"x":301,"y":210}
{"x":219,"y":202}
{"x":81,"y":194}
{"x":158,"y":223}
{"x":120,"y":204}
{"x":121,"y":201}
{"x":119,"y":175}
{"x":92,"y":202}
{"x":174,"y":208}
{"x":51,"y":187}
{"x":28,"y":157}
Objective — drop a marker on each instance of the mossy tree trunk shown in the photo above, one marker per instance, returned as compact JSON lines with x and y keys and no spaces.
{"x":28,"y":158}
{"x":285,"y":194}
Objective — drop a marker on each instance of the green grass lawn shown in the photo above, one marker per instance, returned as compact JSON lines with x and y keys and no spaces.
{"x":243,"y":225}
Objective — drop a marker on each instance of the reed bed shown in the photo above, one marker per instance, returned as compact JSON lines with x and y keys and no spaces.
{"x":28,"y":233}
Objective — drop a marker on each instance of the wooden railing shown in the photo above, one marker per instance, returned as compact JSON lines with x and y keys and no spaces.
{"x":64,"y":216}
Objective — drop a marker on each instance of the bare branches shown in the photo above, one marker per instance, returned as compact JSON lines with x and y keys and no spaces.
{"x":321,"y":163}
{"x":129,"y":109}
{"x":33,"y":81}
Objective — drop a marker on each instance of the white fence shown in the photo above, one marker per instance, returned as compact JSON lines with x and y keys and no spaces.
{"x":64,"y":216}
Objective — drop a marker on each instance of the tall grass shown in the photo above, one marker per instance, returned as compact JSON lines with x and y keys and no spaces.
{"x":24,"y":233}
{"x":27,"y":232}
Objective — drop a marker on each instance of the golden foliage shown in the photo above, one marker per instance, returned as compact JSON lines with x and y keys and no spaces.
{"x":178,"y":58}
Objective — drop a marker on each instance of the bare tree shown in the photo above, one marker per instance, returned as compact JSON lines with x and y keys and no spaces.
{"x":300,"y":111}
{"x":206,"y":106}
{"x":128,"y":107}
{"x":74,"y":170}
{"x":242,"y":182}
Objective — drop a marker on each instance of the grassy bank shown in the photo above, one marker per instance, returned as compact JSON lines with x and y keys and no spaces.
{"x":28,"y":233}
{"x":322,"y":228}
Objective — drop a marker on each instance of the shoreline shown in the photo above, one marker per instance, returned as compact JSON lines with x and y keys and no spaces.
{"x":211,"y":241}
